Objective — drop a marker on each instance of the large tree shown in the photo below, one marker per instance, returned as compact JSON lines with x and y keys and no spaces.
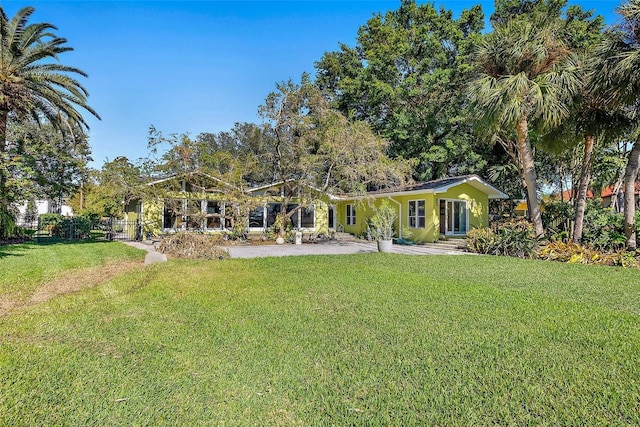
{"x":619,"y":62}
{"x":527,"y":79}
{"x":53,"y":163}
{"x":314,"y":150}
{"x":406,"y":77}
{"x":34,"y":84}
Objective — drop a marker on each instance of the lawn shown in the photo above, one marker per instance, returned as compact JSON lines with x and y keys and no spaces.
{"x":370,"y":339}
{"x":25,"y":267}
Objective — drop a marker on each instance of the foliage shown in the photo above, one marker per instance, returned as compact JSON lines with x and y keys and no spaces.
{"x":603,"y":229}
{"x":556,"y":217}
{"x":382,"y":220}
{"x":314,"y":151}
{"x":574,"y":253}
{"x":406,"y":77}
{"x":515,"y":238}
{"x":50,"y":220}
{"x":528,"y":79}
{"x":108,"y":191}
{"x":31,"y":212}
{"x":73,"y":228}
{"x":617,"y":64}
{"x":33,"y":84}
{"x":53,"y":163}
{"x":7,"y":225}
{"x":193,"y":246}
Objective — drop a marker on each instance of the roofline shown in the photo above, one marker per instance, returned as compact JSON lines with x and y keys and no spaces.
{"x":436,"y":190}
{"x":169,"y":178}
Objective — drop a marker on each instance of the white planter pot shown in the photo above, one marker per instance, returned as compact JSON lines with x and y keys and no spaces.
{"x":385,"y":245}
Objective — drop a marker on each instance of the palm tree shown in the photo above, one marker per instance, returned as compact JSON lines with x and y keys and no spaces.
{"x":527,"y":76}
{"x":33,"y":84}
{"x":619,"y":62}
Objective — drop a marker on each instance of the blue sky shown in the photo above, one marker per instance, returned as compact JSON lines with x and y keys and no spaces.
{"x":199,"y":66}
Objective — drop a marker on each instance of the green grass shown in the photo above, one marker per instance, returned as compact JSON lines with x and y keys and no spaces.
{"x":26,"y":266}
{"x":369,"y":339}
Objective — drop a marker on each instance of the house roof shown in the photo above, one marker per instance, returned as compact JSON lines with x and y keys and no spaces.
{"x":608,"y":191}
{"x":189,"y":174}
{"x":442,"y":185}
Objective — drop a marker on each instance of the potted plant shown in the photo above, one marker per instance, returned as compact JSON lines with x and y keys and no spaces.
{"x":382,"y":225}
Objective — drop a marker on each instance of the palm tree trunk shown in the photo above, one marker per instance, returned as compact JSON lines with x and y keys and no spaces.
{"x":585,"y":177}
{"x":630,"y":176}
{"x":529,"y":174}
{"x":4,"y":202}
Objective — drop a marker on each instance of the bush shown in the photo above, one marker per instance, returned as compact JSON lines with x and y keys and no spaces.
{"x":193,"y":246}
{"x":7,"y":225}
{"x":604,"y":229}
{"x":514,"y":238}
{"x":73,"y":228}
{"x":574,"y":253}
{"x":557,"y":219}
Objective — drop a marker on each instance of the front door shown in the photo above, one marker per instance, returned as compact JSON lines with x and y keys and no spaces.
{"x":454,"y":217}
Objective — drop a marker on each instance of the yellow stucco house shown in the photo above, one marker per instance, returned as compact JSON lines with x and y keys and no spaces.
{"x":427,"y":210}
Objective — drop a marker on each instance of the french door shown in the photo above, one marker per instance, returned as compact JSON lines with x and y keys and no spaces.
{"x":454,"y":217}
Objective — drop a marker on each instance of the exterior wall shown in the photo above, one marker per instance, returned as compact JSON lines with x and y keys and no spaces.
{"x":45,"y":207}
{"x":152,"y":213}
{"x":477,"y":204}
{"x":364,"y":211}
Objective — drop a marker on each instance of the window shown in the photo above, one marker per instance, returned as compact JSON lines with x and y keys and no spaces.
{"x":416,"y":214}
{"x":351,"y":215}
{"x":214,"y":215}
{"x":307,"y":218}
{"x":256,"y":218}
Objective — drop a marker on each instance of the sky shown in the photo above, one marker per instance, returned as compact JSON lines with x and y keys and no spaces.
{"x":200,"y":66}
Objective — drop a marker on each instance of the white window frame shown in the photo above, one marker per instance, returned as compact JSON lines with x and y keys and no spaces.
{"x":416,"y":217}
{"x":448,"y":214}
{"x":350,"y":214}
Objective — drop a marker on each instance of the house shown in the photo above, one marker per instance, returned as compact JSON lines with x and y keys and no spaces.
{"x":428,"y":210}
{"x":44,"y":206}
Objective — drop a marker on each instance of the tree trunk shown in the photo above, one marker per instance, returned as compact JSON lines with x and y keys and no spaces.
{"x":4,"y":201}
{"x":630,"y":176}
{"x":529,"y":174}
{"x":585,"y":177}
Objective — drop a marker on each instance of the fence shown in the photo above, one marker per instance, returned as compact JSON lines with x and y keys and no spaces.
{"x":83,"y":229}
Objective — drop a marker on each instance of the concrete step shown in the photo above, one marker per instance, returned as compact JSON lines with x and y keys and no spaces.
{"x":344,"y":237}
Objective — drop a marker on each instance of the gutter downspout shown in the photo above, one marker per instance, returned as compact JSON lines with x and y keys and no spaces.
{"x":399,"y":216}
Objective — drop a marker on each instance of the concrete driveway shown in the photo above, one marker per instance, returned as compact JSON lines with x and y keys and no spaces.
{"x":331,"y":248}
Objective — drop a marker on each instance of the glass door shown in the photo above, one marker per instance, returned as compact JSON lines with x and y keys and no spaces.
{"x":456,"y":216}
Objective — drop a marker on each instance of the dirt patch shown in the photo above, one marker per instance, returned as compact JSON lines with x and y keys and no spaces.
{"x":69,"y":282}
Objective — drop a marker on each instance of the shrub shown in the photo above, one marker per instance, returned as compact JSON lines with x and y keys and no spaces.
{"x":382,"y":221}
{"x":514,"y":238}
{"x":193,"y":246}
{"x":603,"y":229}
{"x":7,"y":225}
{"x":557,"y":218}
{"x":72,"y":228}
{"x":574,"y":253}
{"x":49,"y":220}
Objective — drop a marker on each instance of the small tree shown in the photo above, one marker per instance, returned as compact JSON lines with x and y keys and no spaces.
{"x":382,"y":221}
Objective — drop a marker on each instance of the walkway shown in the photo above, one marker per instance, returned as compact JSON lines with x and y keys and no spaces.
{"x":152,"y":256}
{"x":331,"y":249}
